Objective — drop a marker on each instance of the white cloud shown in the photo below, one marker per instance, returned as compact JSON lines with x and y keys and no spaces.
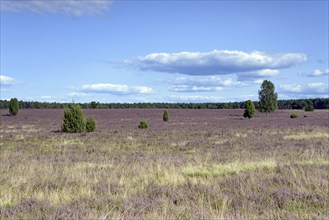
{"x":72,"y":7}
{"x":78,"y":94}
{"x":46,"y":97}
{"x":321,"y":87}
{"x":217,"y":62}
{"x":259,"y":81}
{"x":306,"y":89}
{"x":117,"y":89}
{"x":246,"y":97}
{"x":186,"y":88}
{"x":201,"y":83}
{"x":7,"y":81}
{"x":249,"y":76}
{"x":291,"y":87}
{"x":318,"y":72}
{"x":195,"y":98}
{"x":267,"y":72}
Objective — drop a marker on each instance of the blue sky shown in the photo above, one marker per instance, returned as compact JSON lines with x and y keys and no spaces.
{"x":162,"y":51}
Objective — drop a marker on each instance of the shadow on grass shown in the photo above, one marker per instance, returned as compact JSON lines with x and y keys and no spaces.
{"x":234,"y":114}
{"x":238,"y":119}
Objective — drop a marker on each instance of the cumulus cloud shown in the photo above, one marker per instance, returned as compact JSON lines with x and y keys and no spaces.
{"x":7,"y":81}
{"x":318,"y":72}
{"x":218,"y":62}
{"x":201,"y":84}
{"x":306,"y":89}
{"x":72,"y":7}
{"x":117,"y":89}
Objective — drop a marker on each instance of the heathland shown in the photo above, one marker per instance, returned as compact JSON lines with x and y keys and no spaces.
{"x":201,"y":164}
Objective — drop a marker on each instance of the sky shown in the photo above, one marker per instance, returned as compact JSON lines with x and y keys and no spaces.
{"x":162,"y":51}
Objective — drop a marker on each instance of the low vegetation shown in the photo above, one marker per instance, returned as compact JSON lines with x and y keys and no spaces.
{"x":90,"y":125}
{"x":205,"y":164}
{"x":73,"y":119}
{"x":143,"y":125}
{"x":75,"y":122}
{"x":293,"y":115}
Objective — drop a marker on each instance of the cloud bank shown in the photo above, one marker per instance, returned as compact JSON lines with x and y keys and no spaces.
{"x":116,"y":89}
{"x":71,"y":7}
{"x":218,"y":62}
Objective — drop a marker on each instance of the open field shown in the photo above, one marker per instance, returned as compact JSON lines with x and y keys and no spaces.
{"x":202,"y":164}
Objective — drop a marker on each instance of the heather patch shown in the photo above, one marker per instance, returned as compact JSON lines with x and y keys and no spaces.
{"x":200,"y":164}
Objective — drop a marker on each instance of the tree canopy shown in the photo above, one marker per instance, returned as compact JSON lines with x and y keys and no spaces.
{"x":317,"y":103}
{"x":268,"y":98}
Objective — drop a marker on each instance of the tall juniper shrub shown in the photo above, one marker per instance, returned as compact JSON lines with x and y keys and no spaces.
{"x":249,"y":109}
{"x":165,"y":116}
{"x":73,"y":119}
{"x":90,"y":125}
{"x":13,"y":106}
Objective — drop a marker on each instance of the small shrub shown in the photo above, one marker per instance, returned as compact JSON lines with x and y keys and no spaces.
{"x":73,"y":119}
{"x":143,"y":125}
{"x":309,"y":108}
{"x":90,"y":125}
{"x":293,"y":115}
{"x":165,"y":116}
{"x":13,"y":106}
{"x":249,"y":109}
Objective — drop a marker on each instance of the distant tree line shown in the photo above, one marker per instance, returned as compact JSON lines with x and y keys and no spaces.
{"x":317,"y":103}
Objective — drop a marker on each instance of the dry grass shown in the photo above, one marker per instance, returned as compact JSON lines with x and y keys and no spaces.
{"x":304,"y":135}
{"x":165,"y":172}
